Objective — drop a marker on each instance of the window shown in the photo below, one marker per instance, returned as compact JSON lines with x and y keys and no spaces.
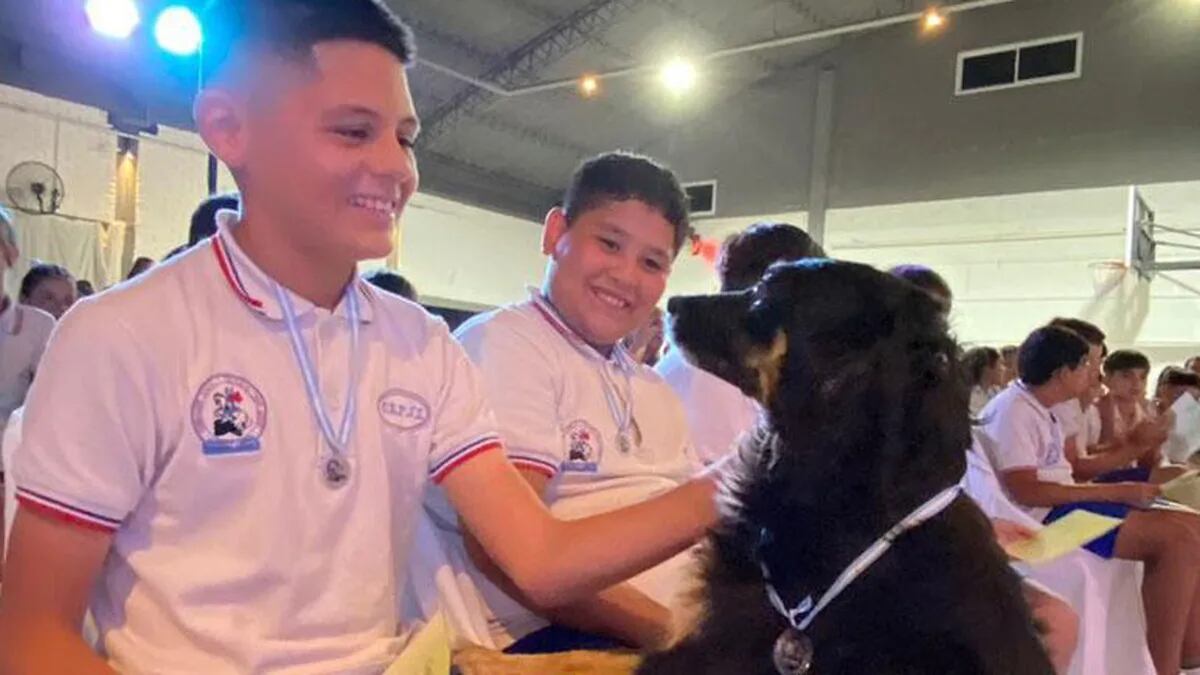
{"x":702,"y":198}
{"x":1050,"y":59}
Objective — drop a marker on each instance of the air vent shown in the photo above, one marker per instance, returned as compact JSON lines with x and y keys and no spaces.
{"x":1051,"y":59}
{"x":702,"y":198}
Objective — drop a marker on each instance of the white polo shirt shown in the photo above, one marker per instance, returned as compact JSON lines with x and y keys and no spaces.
{"x":172,"y":413}
{"x":718,"y":413}
{"x":24,"y":332}
{"x":1024,"y":434}
{"x":546,"y":386}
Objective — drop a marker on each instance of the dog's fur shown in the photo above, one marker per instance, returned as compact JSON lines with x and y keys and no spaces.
{"x":866,"y":420}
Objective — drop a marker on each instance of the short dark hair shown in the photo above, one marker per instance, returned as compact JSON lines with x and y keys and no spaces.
{"x":925,"y":279}
{"x":39,"y":273}
{"x":1126,"y":359}
{"x":621,"y":176}
{"x":978,"y":359}
{"x":1178,"y":377}
{"x":745,"y":256}
{"x":140,"y":265}
{"x":393,"y":283}
{"x":1084,"y":329}
{"x":1046,"y":350}
{"x":294,"y":27}
{"x":204,"y":218}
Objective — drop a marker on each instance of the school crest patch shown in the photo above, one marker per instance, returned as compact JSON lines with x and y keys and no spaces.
{"x":583,"y":446}
{"x":229,"y":415}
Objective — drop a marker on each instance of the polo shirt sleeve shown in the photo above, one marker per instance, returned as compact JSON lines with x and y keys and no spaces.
{"x":89,"y":431}
{"x":464,"y":425}
{"x":519,"y":378}
{"x":1013,"y":431}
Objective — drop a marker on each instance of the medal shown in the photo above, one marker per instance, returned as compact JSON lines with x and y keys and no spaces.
{"x":334,"y":466}
{"x":624,"y":442}
{"x":793,"y":653}
{"x":336,"y":471}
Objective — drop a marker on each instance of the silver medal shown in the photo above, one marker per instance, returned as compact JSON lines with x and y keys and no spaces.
{"x":793,"y":653}
{"x":624,"y":442}
{"x":336,"y":472}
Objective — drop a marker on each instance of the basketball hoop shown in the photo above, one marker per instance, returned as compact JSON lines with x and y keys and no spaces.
{"x":1107,"y":275}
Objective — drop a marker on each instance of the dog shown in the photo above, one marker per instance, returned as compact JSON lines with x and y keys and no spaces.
{"x":865,"y":419}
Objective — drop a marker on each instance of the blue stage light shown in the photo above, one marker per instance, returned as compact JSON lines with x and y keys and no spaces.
{"x":112,"y":18}
{"x":178,"y":31}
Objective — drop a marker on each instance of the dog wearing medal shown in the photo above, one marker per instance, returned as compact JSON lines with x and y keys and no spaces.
{"x":845,"y":547}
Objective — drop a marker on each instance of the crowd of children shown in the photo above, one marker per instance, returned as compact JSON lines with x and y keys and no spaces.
{"x":256,"y":433}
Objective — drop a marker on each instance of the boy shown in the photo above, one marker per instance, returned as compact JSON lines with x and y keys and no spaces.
{"x":1123,"y":407}
{"x":252,"y":426}
{"x":1026,"y":442}
{"x":589,"y":428}
{"x":23,"y":335}
{"x":1174,"y":382}
{"x":719,"y":413}
{"x":1081,"y":422}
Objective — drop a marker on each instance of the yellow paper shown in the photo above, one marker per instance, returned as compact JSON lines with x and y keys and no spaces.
{"x":1185,"y":489}
{"x":427,"y":653}
{"x":1063,"y":536}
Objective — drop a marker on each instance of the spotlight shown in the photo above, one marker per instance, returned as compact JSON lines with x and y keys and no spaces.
{"x":678,"y":75}
{"x":933,"y":19}
{"x":112,"y":18}
{"x":177,"y":31}
{"x":589,"y":86}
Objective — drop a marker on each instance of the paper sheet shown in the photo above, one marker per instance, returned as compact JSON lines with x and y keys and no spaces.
{"x":1062,"y":536}
{"x":1185,"y":489}
{"x":1184,"y":438}
{"x":427,"y":653}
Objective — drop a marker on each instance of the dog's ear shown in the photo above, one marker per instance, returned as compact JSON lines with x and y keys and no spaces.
{"x":767,"y":361}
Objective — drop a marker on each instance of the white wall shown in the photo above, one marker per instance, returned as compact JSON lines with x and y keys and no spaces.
{"x":1016,"y":261}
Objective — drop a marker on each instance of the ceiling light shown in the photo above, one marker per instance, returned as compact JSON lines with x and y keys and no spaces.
{"x":678,"y":75}
{"x":589,"y":86}
{"x":933,"y":19}
{"x":112,"y":18}
{"x":177,"y":31}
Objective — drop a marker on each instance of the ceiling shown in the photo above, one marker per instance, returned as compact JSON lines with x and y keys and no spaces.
{"x":509,"y":153}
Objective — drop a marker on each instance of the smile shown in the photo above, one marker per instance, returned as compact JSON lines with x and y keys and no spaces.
{"x":381,"y":206}
{"x":610,"y":299}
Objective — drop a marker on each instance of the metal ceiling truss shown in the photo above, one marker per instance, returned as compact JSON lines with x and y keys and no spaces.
{"x":537,"y":11}
{"x":523,"y":65}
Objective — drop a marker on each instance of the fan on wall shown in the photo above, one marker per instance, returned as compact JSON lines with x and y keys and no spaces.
{"x":35,"y":187}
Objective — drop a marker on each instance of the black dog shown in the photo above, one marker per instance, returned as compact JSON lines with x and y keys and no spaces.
{"x":866,"y":420}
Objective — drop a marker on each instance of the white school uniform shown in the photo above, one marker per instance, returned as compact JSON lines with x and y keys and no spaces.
{"x":171,"y":413}
{"x":1082,"y":425}
{"x":24,"y":332}
{"x":1024,"y":434}
{"x":718,"y":413}
{"x":546,"y":385}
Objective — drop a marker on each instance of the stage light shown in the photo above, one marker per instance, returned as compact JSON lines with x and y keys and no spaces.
{"x":589,"y":86}
{"x":678,"y":75}
{"x":933,"y":19}
{"x":112,"y":18}
{"x":177,"y":31}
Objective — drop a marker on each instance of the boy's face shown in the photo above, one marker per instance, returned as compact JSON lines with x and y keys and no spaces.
{"x":609,"y":268}
{"x":54,"y":295}
{"x":1169,"y":393}
{"x":1127,"y":384}
{"x":323,"y":147}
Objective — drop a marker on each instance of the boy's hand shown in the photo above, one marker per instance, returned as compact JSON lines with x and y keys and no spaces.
{"x":1150,"y":432}
{"x":1140,"y":495}
{"x":1009,"y":533}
